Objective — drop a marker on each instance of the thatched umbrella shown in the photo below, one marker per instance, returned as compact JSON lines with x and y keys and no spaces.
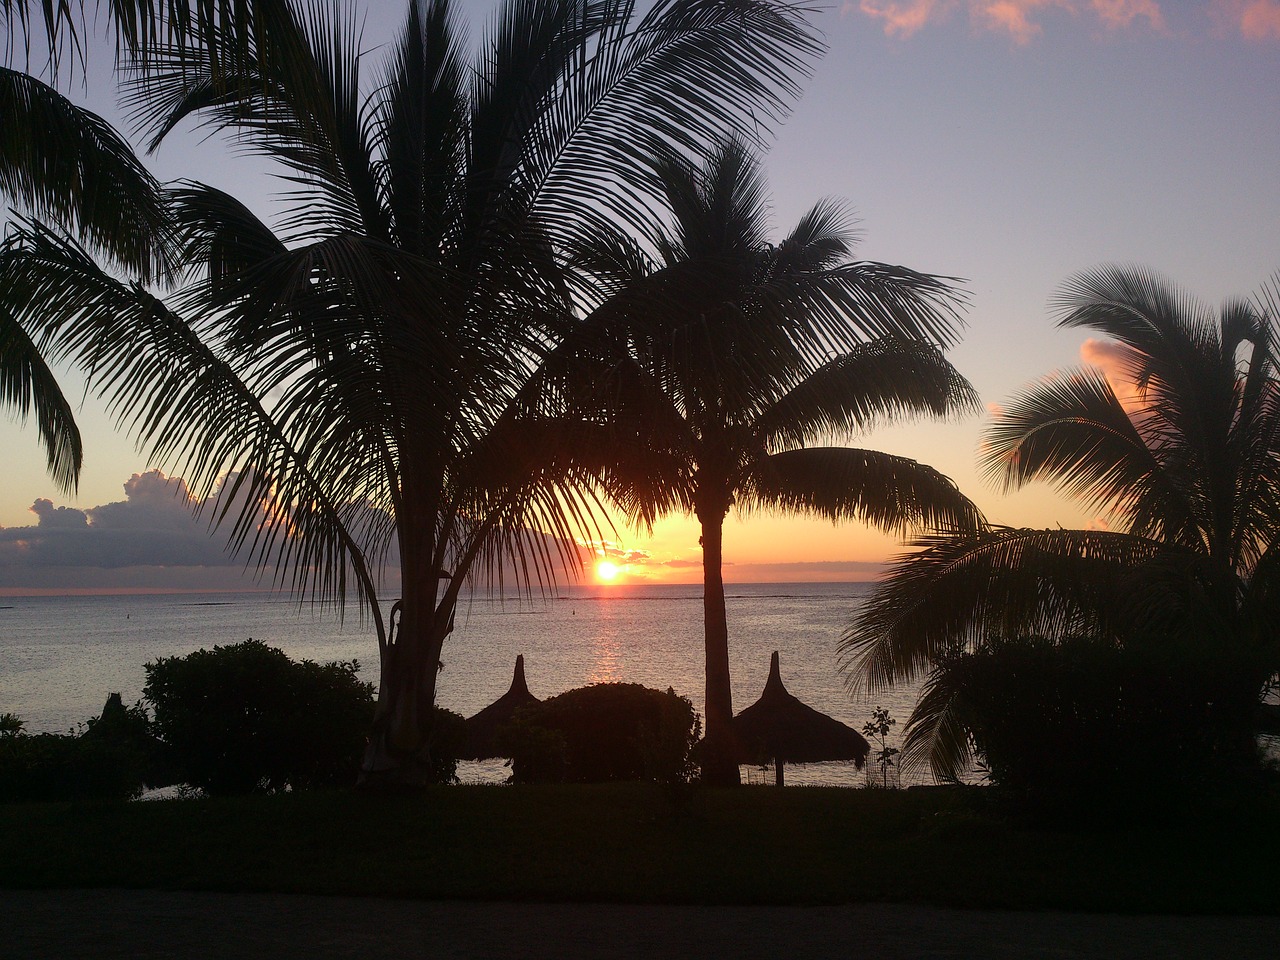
{"x":482,"y":729}
{"x":780,"y":728}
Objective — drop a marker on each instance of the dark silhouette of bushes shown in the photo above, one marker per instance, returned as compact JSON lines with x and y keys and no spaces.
{"x":245,"y":718}
{"x":604,"y":732}
{"x":114,"y":758}
{"x":1083,"y":717}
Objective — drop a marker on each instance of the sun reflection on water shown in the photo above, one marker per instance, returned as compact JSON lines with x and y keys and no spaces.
{"x":606,"y":659}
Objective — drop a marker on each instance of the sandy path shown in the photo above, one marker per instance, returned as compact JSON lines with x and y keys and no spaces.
{"x":149,"y":925}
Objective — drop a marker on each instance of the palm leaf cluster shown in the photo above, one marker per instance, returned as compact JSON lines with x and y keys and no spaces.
{"x":1181,"y":464}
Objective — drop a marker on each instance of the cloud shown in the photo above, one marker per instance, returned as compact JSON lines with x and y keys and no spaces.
{"x":1256,"y":20}
{"x":1017,"y":18}
{"x":1116,"y":361}
{"x":1119,"y":14}
{"x":58,"y":518}
{"x":153,"y":526}
{"x":609,"y":550}
{"x":903,"y":19}
{"x":1011,"y":16}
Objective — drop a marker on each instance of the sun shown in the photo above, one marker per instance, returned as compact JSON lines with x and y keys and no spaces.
{"x":607,"y":571}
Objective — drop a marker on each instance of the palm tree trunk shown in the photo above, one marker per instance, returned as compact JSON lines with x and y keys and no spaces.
{"x":401,"y":743}
{"x":719,"y":760}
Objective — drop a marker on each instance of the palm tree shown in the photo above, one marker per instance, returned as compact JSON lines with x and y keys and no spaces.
{"x":362,"y":370}
{"x":1184,"y":470}
{"x":736,"y":356}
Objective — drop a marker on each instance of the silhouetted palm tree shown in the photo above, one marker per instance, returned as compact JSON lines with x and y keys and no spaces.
{"x":360,"y":368}
{"x":1184,"y":470}
{"x":736,"y":357}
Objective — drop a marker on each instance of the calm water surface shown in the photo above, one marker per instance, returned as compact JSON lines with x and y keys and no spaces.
{"x":61,"y":656}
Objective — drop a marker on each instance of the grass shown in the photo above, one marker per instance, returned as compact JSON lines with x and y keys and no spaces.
{"x":641,"y":843}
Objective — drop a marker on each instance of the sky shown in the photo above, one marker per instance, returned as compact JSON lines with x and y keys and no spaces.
{"x":1009,"y":143}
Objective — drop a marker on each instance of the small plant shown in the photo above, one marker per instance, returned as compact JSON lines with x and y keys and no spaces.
{"x":877,"y":729}
{"x":11,"y":724}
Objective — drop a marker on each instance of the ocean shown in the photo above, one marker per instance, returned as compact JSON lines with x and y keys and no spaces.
{"x":61,"y":656}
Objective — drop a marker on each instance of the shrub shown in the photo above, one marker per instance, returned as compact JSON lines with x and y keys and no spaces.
{"x":245,"y":718}
{"x":1083,"y":716}
{"x":48,"y":766}
{"x":604,"y":732}
{"x":448,"y":734}
{"x":111,"y":760}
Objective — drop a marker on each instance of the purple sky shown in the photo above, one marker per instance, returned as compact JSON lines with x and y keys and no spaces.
{"x":1009,"y":142}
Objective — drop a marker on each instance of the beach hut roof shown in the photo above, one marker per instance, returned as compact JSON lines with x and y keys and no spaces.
{"x":482,"y":729}
{"x":781,"y":728}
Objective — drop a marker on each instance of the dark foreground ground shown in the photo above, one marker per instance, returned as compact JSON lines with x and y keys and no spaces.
{"x":634,"y":871}
{"x":149,"y":925}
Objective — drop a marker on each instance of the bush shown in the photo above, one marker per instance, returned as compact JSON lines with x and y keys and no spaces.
{"x":48,"y":766}
{"x":604,"y":732}
{"x":112,"y":760}
{"x":246,"y":718}
{"x":1085,"y":717}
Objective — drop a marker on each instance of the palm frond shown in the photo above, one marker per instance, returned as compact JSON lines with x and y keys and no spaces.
{"x":956,"y":589}
{"x":1141,"y":309}
{"x":822,"y":239}
{"x":689,"y":74}
{"x":65,"y":164}
{"x":27,"y":384}
{"x":216,"y":234}
{"x":420,"y":131}
{"x":1072,"y":430}
{"x":935,"y":734}
{"x":875,"y":383}
{"x":840,"y":483}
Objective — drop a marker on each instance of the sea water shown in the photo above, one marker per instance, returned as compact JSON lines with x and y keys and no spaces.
{"x":61,"y":656}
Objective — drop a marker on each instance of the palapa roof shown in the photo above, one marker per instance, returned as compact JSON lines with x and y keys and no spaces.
{"x":482,"y":729}
{"x":779,"y":726}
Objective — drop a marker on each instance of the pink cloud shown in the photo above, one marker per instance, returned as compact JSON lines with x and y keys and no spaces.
{"x":1018,"y":18}
{"x":903,"y":19}
{"x":1259,"y":19}
{"x":1116,"y":361}
{"x":1012,"y":16}
{"x":1118,"y":14}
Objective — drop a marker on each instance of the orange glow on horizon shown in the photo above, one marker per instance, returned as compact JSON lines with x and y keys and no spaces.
{"x":607,"y":572}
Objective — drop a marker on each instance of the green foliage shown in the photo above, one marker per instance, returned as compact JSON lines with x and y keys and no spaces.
{"x":604,"y":732}
{"x":1064,"y":719}
{"x":440,"y":758}
{"x":49,"y":766}
{"x":245,"y":717}
{"x":113,"y":759}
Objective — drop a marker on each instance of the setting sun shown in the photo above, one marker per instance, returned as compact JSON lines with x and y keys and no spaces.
{"x":607,"y":571}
